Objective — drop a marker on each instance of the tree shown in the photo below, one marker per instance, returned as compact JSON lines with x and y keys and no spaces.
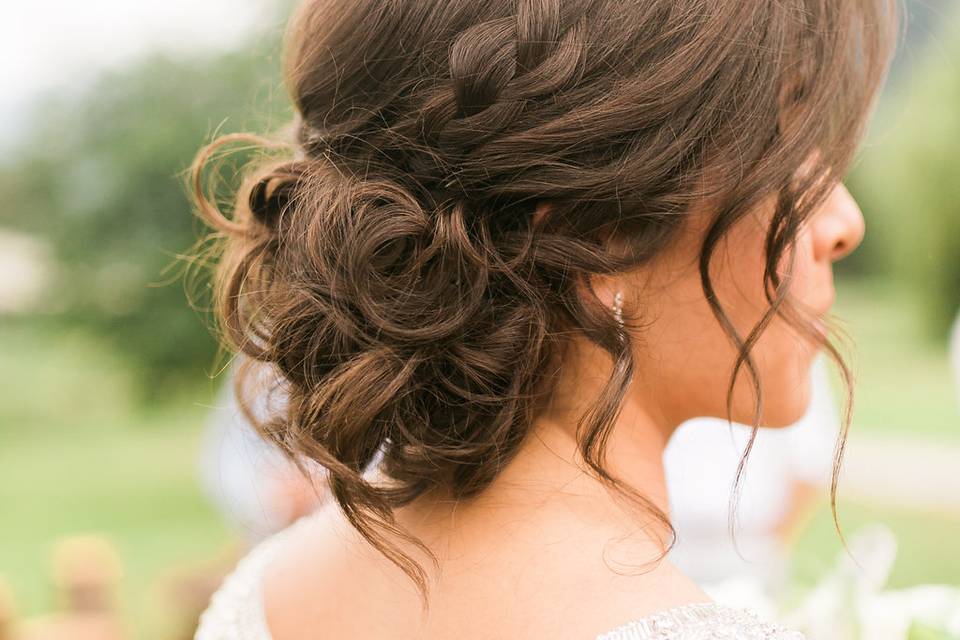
{"x":909,"y":182}
{"x":102,"y":179}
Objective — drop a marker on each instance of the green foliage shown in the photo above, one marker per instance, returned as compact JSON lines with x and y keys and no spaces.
{"x":909,"y":182}
{"x":102,"y":178}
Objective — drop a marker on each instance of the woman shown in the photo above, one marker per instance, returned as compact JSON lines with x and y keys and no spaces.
{"x":513,"y":245}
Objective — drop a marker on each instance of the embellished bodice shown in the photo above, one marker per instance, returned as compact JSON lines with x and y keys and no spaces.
{"x":236,"y":611}
{"x":701,"y":621}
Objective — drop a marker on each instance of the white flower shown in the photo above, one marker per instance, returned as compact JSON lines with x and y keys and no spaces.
{"x":849,"y":602}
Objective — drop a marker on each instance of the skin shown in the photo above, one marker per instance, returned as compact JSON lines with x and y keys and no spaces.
{"x":547,"y":551}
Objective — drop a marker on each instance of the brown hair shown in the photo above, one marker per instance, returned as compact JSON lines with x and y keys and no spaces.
{"x":387,"y":265}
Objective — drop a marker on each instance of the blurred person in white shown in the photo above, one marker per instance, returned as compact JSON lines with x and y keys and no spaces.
{"x":787,"y":474}
{"x":256,"y":488}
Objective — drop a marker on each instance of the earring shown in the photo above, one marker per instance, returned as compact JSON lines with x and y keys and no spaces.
{"x":618,"y":308}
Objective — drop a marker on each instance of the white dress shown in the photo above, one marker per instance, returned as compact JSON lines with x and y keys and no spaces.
{"x":236,"y":610}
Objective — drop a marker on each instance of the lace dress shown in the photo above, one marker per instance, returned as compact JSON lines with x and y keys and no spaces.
{"x":236,"y":611}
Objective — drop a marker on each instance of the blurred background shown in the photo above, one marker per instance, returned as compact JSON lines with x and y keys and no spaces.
{"x":108,"y":376}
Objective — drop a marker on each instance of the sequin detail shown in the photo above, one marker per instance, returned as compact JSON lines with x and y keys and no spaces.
{"x":701,"y":621}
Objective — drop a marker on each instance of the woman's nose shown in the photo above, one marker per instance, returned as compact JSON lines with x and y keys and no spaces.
{"x":839,"y":227}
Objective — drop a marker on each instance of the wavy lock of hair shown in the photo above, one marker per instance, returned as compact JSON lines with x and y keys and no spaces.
{"x":385,"y":263}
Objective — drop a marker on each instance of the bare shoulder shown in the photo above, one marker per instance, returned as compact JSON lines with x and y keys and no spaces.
{"x":327,"y":576}
{"x":527,"y":584}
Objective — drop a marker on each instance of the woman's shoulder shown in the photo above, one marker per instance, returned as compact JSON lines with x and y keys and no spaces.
{"x":236,"y":610}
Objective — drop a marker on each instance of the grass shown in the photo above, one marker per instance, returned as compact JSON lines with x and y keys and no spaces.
{"x":928,"y":543}
{"x":78,"y":456}
{"x":904,"y":383}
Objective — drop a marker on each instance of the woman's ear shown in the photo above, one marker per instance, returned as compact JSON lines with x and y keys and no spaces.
{"x":605,"y":287}
{"x":610,"y":292}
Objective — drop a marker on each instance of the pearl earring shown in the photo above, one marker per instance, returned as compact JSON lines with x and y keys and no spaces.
{"x":618,"y":307}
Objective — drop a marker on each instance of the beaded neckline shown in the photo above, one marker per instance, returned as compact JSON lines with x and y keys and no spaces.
{"x":713,"y":619}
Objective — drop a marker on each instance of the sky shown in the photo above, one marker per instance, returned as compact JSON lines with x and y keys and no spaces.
{"x":57,"y":44}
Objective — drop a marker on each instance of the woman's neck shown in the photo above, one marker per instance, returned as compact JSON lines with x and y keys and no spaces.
{"x":548,"y":478}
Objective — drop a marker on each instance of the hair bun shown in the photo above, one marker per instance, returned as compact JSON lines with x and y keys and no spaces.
{"x":272,"y":192}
